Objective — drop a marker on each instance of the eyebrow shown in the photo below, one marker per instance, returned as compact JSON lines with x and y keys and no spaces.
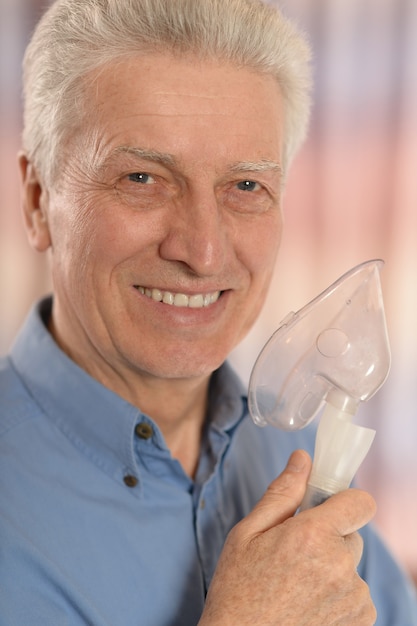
{"x":148,"y":155}
{"x":264,"y":165}
{"x":257,"y":166}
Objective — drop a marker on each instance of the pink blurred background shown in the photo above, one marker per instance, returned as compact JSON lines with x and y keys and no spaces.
{"x":351,"y":196}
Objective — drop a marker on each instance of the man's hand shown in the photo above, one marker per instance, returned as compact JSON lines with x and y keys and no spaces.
{"x":276,"y":569}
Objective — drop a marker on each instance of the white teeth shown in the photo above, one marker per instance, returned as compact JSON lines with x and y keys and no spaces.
{"x":157,"y":295}
{"x":181,"y":299}
{"x":168,"y":298}
{"x":197,"y":301}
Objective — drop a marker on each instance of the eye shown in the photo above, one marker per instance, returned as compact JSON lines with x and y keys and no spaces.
{"x":141,"y":177}
{"x":248,"y":185}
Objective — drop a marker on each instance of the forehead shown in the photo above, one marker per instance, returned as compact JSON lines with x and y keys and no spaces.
{"x":158,"y":75}
{"x":170,"y":101}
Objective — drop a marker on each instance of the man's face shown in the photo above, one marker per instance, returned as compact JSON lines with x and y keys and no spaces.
{"x":166,"y":220}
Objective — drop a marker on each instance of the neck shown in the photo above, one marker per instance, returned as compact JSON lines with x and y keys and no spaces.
{"x":179,"y":408}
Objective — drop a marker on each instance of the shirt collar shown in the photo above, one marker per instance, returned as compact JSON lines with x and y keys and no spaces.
{"x":93,"y":417}
{"x":96,"y":419}
{"x":227,"y":399}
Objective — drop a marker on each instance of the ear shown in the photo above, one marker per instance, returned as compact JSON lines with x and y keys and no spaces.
{"x":34,"y":206}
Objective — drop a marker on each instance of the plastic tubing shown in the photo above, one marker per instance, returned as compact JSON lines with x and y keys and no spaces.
{"x":340,"y":448}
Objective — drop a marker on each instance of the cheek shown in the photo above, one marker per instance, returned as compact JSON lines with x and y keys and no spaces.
{"x":119,"y":235}
{"x":259,"y":250}
{"x":101,"y":234}
{"x":81,"y":244}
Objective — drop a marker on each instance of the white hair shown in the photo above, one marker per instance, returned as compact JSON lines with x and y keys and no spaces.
{"x":76,"y":37}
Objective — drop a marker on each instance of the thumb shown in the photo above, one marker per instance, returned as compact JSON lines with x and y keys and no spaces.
{"x":283,"y":496}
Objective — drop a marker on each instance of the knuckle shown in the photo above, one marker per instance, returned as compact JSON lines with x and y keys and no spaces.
{"x":344,"y":566}
{"x":368,"y":614}
{"x":240,"y":535}
{"x":311,"y":536}
{"x":354,"y":543}
{"x":235,"y":534}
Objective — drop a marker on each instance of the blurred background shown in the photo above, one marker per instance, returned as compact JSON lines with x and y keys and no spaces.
{"x":351,"y":196}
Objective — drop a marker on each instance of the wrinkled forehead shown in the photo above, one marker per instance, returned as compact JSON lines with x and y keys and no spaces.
{"x":159,"y":91}
{"x":145,"y":78}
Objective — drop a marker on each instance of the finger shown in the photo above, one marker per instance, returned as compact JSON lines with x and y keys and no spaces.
{"x":283,"y":496}
{"x":349,"y":510}
{"x":354,"y":543}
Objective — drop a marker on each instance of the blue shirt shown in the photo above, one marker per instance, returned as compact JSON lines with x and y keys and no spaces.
{"x":99,"y":525}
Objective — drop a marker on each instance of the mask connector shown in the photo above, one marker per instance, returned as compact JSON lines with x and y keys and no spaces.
{"x":340,"y":448}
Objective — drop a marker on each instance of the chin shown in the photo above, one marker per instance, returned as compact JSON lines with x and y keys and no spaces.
{"x":182,"y":368}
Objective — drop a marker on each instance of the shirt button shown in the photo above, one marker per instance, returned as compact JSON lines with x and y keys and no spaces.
{"x":144,"y":430}
{"x":130,"y":481}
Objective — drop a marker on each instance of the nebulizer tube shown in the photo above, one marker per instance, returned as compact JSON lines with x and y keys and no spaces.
{"x":326,"y":359}
{"x":340,"y":448}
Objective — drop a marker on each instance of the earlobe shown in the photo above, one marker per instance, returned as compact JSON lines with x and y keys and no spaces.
{"x":34,"y":205}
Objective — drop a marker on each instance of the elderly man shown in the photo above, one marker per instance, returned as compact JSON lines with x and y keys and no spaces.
{"x":133,"y":484}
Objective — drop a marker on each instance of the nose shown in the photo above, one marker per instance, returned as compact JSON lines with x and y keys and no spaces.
{"x":196,"y":234}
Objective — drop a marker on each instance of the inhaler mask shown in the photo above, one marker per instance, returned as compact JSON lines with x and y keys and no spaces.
{"x":332,"y":354}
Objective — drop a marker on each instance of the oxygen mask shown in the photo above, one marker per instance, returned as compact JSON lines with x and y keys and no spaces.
{"x":328,"y":357}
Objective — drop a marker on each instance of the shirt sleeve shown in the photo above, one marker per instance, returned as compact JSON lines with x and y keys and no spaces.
{"x":392,"y":592}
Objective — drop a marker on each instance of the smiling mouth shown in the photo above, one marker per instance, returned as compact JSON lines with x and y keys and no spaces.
{"x":196,"y":301}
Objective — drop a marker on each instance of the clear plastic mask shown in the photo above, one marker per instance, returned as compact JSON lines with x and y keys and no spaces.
{"x":334,"y":347}
{"x":333,"y":353}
